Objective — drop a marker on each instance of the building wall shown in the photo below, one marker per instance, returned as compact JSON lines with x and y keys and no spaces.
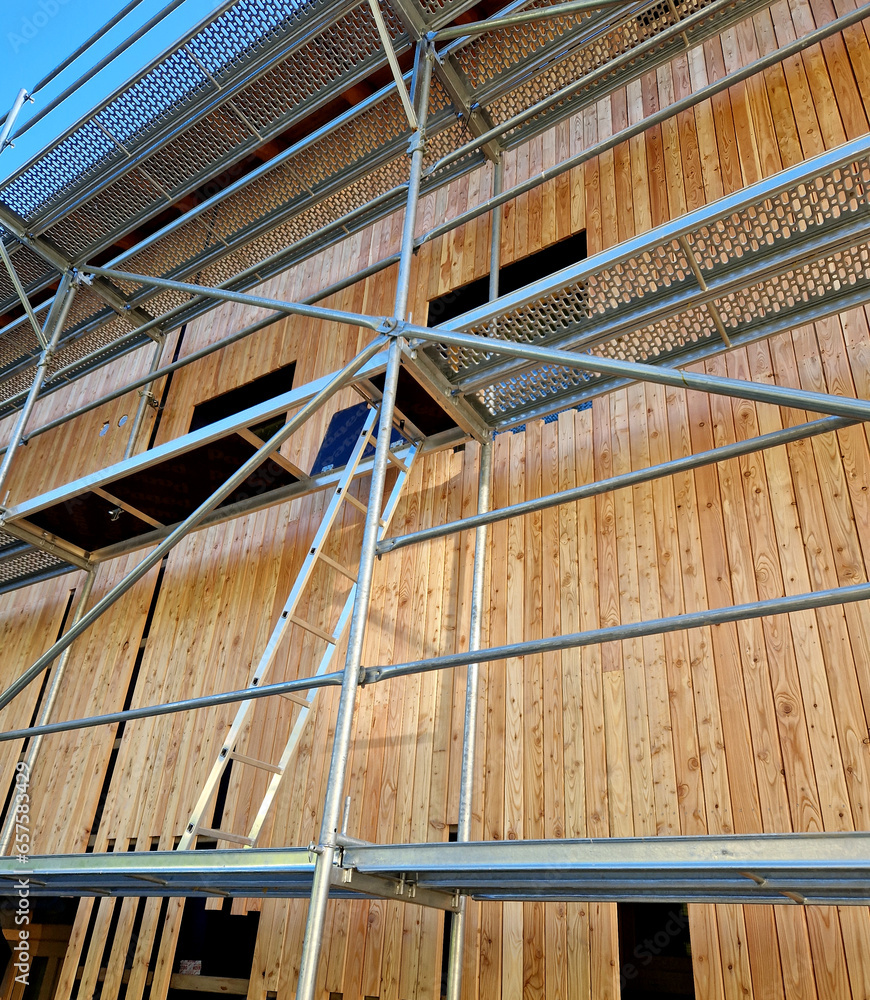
{"x":754,"y":727}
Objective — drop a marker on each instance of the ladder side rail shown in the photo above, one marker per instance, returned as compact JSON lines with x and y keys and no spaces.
{"x":268,"y":653}
{"x":298,"y":727}
{"x":317,"y":543}
{"x":302,"y":718}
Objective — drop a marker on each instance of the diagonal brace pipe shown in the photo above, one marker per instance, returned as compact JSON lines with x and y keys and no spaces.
{"x":189,"y":523}
{"x":22,"y":295}
{"x":291,"y":308}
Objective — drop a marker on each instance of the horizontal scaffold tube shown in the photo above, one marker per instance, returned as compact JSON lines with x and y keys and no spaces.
{"x":173,"y":707}
{"x":338,"y":382}
{"x":594,"y":637}
{"x":777,"y":395}
{"x":654,"y":41}
{"x":685,"y":464}
{"x":74,"y":367}
{"x":226,"y":295}
{"x":768,"y":61}
{"x":632,"y":630}
{"x":118,"y":51}
{"x":149,"y":377}
{"x":671,"y":110}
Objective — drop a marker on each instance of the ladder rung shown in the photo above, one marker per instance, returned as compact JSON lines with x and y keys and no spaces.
{"x":361,"y":506}
{"x":357,"y":503}
{"x":231,"y":838}
{"x":297,"y":699}
{"x":390,"y":456}
{"x":337,"y":566}
{"x":254,"y":762}
{"x":305,"y":700}
{"x":313,"y":628}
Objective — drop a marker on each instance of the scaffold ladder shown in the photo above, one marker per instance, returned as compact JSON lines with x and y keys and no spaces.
{"x":304,"y":699}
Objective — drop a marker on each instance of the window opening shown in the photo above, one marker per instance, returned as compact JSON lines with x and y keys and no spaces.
{"x":212,"y":943}
{"x":655,"y":952}
{"x":655,"y":18}
{"x":414,"y":403}
{"x":510,"y":277}
{"x":235,"y":400}
{"x":51,"y":920}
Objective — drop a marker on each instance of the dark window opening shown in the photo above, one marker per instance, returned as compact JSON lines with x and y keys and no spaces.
{"x":134,"y":934}
{"x":213,"y":943}
{"x":655,"y":951}
{"x":36,"y":985}
{"x":143,"y":642}
{"x":221,"y":797}
{"x":265,"y":387}
{"x":5,"y":956}
{"x":104,"y":789}
{"x":51,"y":920}
{"x":413,"y":402}
{"x":510,"y":277}
{"x":448,"y":928}
{"x":168,"y":491}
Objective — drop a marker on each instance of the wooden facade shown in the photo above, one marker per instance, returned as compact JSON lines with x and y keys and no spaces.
{"x":753,"y":727}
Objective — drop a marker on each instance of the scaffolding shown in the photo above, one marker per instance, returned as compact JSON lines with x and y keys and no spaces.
{"x":788,"y":250}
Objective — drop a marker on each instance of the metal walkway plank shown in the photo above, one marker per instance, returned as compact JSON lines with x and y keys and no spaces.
{"x":765,"y":868}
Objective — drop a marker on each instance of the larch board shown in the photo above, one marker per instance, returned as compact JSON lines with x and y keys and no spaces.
{"x":755,"y":727}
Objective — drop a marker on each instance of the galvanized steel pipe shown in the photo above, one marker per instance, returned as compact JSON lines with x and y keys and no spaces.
{"x":191,"y":521}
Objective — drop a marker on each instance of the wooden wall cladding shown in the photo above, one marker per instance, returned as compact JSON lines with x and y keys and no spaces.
{"x":31,"y":621}
{"x":752,"y":727}
{"x":94,"y":440}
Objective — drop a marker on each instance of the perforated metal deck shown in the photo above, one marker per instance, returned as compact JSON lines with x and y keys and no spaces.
{"x":789,"y":250}
{"x":261,"y":72}
{"x":248,"y":103}
{"x":22,"y":564}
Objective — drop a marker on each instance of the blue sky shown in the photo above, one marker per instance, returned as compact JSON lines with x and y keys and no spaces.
{"x":36,"y":35}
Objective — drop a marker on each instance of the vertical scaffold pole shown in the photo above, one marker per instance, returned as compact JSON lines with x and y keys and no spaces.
{"x":52,"y":331}
{"x":469,"y":742}
{"x":145,"y":396}
{"x":472,"y":682}
{"x":495,"y":237}
{"x":334,"y":798}
{"x":17,"y":105}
